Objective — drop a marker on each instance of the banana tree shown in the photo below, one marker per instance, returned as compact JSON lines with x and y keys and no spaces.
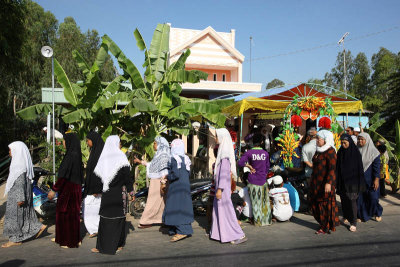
{"x":135,"y":106}
{"x":155,"y":98}
{"x":393,"y":148}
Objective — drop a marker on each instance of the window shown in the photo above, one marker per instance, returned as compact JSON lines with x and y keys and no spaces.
{"x":224,"y":77}
{"x":215,"y":77}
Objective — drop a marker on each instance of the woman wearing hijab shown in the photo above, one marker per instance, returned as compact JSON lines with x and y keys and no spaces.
{"x":69,"y":188}
{"x":225,"y":227}
{"x":178,"y":213}
{"x":114,"y":170}
{"x":20,"y":220}
{"x":350,"y":180}
{"x":93,"y":185}
{"x":157,"y":171}
{"x":368,"y":201}
{"x":322,"y":186}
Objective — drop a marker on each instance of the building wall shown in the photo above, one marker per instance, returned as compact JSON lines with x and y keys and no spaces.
{"x":219,"y":73}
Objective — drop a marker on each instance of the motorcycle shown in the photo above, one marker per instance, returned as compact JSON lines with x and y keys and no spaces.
{"x":199,"y":190}
{"x":44,"y":207}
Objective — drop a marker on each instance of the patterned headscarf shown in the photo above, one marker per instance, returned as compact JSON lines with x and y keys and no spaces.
{"x":158,"y":167}
{"x":178,"y":151}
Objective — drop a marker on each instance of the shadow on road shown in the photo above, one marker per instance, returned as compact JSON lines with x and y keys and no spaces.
{"x":269,"y":251}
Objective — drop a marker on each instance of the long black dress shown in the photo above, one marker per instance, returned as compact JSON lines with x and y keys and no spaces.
{"x":112,"y":233}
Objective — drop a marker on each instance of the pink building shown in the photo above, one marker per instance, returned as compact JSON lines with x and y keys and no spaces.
{"x":214,"y":53}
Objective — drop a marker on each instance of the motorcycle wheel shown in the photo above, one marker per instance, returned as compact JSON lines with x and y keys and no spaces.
{"x":200,"y":203}
{"x":136,"y":207}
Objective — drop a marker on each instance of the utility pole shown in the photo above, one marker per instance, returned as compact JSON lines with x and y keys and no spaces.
{"x":341,"y":42}
{"x":251,"y":41}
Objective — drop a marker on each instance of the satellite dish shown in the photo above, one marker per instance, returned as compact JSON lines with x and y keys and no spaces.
{"x":47,"y":51}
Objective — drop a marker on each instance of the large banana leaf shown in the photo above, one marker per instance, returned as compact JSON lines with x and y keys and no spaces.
{"x":111,"y":88}
{"x":32,"y":112}
{"x":77,"y":116}
{"x":124,"y":63}
{"x":62,"y":78}
{"x":376,"y":122}
{"x":101,"y":58}
{"x":158,"y":51}
{"x":143,"y":105}
{"x":82,"y":64}
{"x":186,"y":76}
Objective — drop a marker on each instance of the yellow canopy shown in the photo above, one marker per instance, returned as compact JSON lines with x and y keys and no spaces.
{"x":254,"y":103}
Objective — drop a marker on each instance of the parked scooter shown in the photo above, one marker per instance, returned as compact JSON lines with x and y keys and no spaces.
{"x":43,"y":206}
{"x":199,"y":189}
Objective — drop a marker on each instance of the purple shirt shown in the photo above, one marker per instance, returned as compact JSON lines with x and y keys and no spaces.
{"x":259,"y":160}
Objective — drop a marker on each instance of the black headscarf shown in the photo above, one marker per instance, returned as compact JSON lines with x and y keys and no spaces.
{"x":349,"y":167}
{"x":71,"y":166}
{"x":93,"y":184}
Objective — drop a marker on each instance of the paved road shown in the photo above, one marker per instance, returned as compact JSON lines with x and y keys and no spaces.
{"x":282,"y":244}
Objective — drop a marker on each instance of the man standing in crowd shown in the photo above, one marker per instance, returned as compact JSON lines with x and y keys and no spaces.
{"x":350,"y":131}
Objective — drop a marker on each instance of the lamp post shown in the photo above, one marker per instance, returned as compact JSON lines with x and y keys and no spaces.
{"x":341,"y":42}
{"x":47,"y":51}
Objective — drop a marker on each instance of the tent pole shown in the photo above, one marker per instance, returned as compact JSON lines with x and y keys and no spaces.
{"x":240,"y":143}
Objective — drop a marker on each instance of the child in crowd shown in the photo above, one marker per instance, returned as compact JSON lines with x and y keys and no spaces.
{"x":384,"y":169}
{"x":282,"y":211}
{"x":247,"y":209}
{"x":237,"y":201}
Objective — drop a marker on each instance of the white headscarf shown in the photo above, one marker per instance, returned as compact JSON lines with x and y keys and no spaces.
{"x":158,"y":166}
{"x":178,"y":151}
{"x":111,"y":160}
{"x":225,"y":150}
{"x":329,"y":142}
{"x":368,"y":152}
{"x":21,"y":162}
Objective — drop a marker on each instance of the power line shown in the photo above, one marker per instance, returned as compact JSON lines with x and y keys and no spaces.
{"x":325,"y":45}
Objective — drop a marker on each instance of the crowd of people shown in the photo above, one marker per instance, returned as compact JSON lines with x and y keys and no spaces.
{"x":353,"y":172}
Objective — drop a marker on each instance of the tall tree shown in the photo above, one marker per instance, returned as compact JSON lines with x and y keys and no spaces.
{"x":69,"y":38}
{"x":90,"y":48}
{"x":384,"y":64}
{"x":361,"y":79}
{"x":274,"y":83}
{"x":392,"y":107}
{"x":336,"y":77}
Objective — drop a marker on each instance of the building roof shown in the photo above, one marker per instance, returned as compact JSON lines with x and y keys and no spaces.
{"x":184,"y":41}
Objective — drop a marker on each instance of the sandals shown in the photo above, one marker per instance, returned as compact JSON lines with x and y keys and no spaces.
{"x":41,"y":231}
{"x":93,"y":235}
{"x":320,"y":232}
{"x":177,"y":237}
{"x":353,"y":228}
{"x":144,"y":226}
{"x":11,"y":244}
{"x":378,"y":219}
{"x":239,"y":241}
{"x":94,"y":250}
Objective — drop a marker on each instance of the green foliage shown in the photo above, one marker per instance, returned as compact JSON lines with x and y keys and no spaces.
{"x":149,"y":107}
{"x":274,"y":83}
{"x":46,"y":157}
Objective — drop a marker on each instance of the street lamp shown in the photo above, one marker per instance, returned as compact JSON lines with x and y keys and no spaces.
{"x":47,"y":51}
{"x":341,"y":42}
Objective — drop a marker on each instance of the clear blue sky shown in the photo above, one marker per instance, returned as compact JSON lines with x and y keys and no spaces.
{"x":277,"y":27}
